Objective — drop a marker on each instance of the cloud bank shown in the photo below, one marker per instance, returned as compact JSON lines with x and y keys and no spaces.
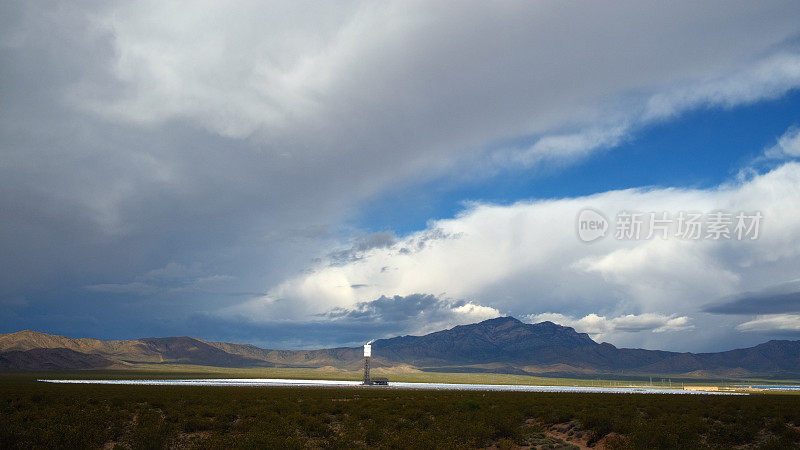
{"x":526,"y":258}
{"x":772,"y":322}
{"x":599,"y":326}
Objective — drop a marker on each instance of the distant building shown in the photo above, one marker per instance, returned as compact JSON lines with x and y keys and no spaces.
{"x":367,"y":355}
{"x":367,"y":380}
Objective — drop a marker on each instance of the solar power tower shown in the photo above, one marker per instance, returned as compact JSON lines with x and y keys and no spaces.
{"x":367,"y":356}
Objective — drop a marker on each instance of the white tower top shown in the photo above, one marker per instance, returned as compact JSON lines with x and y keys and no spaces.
{"x":367,"y":350}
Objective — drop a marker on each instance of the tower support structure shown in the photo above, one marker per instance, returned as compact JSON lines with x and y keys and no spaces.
{"x":367,"y":355}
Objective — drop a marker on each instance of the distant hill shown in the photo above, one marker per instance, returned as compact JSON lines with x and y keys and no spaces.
{"x":507,"y":343}
{"x":51,"y":359}
{"x":501,"y":345}
{"x":181,"y":350}
{"x":500,"y":340}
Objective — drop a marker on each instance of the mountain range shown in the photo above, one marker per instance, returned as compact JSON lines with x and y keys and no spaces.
{"x":500,"y":345}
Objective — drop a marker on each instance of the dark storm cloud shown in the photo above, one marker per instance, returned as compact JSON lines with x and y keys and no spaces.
{"x":380,"y":318}
{"x":401,"y":311}
{"x":392,"y":309}
{"x":289,"y":335}
{"x":782,"y":298}
{"x":362,"y":244}
{"x":89,"y":202}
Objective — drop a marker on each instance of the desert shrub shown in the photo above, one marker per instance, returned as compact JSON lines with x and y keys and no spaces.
{"x":39,"y":415}
{"x":150,"y":432}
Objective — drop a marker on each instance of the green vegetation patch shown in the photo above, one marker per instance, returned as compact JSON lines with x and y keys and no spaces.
{"x":42,"y":415}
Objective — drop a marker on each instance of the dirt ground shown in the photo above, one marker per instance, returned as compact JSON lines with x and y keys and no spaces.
{"x":567,"y":435}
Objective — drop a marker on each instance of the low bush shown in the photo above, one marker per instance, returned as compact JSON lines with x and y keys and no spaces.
{"x":52,"y":416}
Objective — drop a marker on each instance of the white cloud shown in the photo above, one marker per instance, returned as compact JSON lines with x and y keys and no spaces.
{"x":772,"y":322}
{"x":526,"y":256}
{"x":564,"y":147}
{"x":600,"y":326}
{"x":788,"y":146}
{"x":770,"y":78}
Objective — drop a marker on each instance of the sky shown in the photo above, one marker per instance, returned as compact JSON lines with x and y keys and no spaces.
{"x":310,"y":174}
